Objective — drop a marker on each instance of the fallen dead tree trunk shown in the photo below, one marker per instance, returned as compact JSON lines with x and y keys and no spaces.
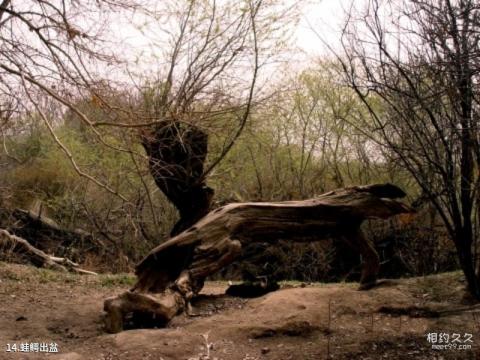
{"x":47,"y":235}
{"x":175,"y":271}
{"x":14,"y":247}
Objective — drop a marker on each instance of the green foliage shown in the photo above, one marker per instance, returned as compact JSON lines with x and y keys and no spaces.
{"x":43,"y":173}
{"x":42,"y":177}
{"x":306,"y":140}
{"x":300,"y":143}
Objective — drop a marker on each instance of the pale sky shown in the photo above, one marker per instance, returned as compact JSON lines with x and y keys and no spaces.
{"x":325,"y":17}
{"x":319,"y":18}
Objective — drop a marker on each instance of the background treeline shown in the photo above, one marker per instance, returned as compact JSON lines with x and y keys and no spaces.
{"x":306,"y":138}
{"x":396,"y":99}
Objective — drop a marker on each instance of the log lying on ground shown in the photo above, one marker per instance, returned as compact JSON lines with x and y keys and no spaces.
{"x":47,"y":235}
{"x":14,"y":247}
{"x":174,"y":272}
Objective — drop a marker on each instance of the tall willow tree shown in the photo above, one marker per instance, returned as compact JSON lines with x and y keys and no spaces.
{"x":207,"y":88}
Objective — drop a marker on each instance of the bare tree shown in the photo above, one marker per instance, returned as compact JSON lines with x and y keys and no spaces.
{"x":64,"y":50}
{"x":208,"y":87}
{"x":415,"y":66}
{"x":54,"y":49}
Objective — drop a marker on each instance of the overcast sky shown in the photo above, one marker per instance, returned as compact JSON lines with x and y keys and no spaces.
{"x":325,"y":17}
{"x":319,"y":18}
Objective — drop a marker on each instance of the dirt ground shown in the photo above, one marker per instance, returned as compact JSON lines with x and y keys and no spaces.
{"x":300,"y":321}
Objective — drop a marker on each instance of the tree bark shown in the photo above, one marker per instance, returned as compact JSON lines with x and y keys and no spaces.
{"x":177,"y":153}
{"x":174,"y":272}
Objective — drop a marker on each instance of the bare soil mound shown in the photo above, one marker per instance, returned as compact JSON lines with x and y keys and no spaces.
{"x":296,"y":322}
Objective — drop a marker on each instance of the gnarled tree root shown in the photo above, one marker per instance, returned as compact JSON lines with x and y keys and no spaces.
{"x":142,"y":310}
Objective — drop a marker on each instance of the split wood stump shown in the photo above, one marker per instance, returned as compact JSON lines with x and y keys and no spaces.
{"x":174,"y":272}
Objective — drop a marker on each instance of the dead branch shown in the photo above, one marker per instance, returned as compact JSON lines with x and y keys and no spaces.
{"x":15,"y":247}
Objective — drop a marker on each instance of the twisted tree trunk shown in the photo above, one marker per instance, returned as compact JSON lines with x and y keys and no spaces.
{"x":177,"y":153}
{"x":175,"y":271}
